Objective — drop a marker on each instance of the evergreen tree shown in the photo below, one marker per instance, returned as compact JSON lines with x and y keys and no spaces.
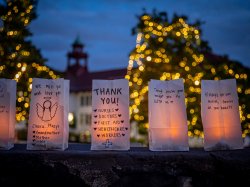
{"x":171,"y":49}
{"x":19,"y":58}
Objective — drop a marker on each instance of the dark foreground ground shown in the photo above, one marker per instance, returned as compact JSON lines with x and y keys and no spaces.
{"x":78,"y":166}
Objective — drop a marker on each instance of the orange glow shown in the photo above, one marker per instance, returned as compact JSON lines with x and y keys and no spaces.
{"x":220,"y":115}
{"x":167,"y":116}
{"x":48,"y":122}
{"x":170,"y":139}
{"x":7,"y":113}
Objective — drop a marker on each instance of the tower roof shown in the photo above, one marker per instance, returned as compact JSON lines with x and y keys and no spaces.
{"x":77,"y":41}
{"x":77,"y":54}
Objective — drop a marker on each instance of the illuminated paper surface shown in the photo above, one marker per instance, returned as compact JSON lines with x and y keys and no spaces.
{"x":48,"y":120}
{"x":220,"y":115}
{"x":7,"y":113}
{"x":110,"y":128}
{"x":168,"y":130}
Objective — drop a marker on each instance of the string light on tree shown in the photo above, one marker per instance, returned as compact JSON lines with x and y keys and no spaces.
{"x":20,"y":60}
{"x":173,"y":49}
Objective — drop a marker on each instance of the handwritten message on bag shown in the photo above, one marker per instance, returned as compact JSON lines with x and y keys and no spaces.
{"x":167,"y":116}
{"x":110,"y":115}
{"x":7,"y":113}
{"x":220,"y":115}
{"x":48,"y":121}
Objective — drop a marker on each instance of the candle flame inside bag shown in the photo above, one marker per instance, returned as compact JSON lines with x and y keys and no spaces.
{"x":167,"y":116}
{"x":110,"y":128}
{"x":48,"y":122}
{"x":220,"y":115}
{"x":7,"y":113}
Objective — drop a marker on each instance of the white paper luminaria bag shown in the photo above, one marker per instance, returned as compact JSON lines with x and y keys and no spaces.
{"x":48,"y":127}
{"x":168,"y":130}
{"x":7,"y":113}
{"x":110,"y":128}
{"x":220,"y":115}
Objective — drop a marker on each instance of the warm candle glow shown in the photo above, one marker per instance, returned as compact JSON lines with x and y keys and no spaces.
{"x":48,"y":121}
{"x":220,"y":115}
{"x":110,"y":128}
{"x":7,"y":113}
{"x":167,"y":116}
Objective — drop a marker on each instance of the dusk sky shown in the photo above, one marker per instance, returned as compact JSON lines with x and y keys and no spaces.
{"x":104,"y":27}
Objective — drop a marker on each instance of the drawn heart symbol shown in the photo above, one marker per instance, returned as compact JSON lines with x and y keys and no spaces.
{"x":126,"y":128}
{"x":95,"y":116}
{"x":95,"y":122}
{"x":123,"y":134}
{"x":122,"y":121}
{"x":98,"y":135}
{"x":95,"y":129}
{"x":119,"y":115}
{"x":95,"y":110}
{"x":116,"y":109}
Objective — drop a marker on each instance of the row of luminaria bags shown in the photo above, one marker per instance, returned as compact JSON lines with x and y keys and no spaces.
{"x":48,"y":127}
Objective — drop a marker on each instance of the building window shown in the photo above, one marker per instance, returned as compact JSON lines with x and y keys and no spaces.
{"x":82,"y":101}
{"x":81,"y":118}
{"x":90,"y":100}
{"x":88,"y":119}
{"x":85,"y":101}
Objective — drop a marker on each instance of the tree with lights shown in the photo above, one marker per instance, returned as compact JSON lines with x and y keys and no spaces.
{"x":173,"y":49}
{"x":19,"y":58}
